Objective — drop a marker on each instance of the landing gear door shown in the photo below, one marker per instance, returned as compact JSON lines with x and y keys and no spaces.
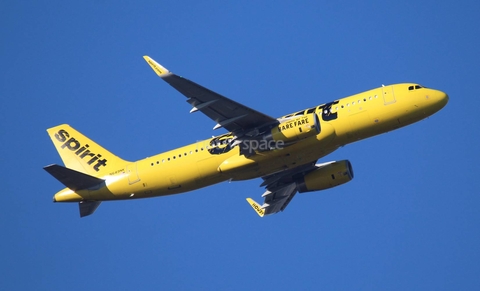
{"x":388,"y":96}
{"x":132,"y":173}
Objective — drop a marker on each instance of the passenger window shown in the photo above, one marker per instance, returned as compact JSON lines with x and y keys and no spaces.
{"x":410,"y":88}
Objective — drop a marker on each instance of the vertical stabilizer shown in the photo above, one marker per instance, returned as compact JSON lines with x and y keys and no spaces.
{"x":81,"y":154}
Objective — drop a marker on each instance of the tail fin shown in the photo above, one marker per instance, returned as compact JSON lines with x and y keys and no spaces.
{"x":81,"y":154}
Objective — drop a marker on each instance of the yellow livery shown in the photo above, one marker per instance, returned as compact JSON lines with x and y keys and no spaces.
{"x":282,"y":151}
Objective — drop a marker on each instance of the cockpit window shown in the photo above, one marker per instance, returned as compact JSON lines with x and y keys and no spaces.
{"x":415,"y":87}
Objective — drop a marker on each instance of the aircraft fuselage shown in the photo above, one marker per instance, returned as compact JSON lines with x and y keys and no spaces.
{"x":212,"y":160}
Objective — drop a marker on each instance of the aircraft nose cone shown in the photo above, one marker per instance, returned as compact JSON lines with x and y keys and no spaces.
{"x":442,"y":98}
{"x":446,"y":98}
{"x":436,"y":101}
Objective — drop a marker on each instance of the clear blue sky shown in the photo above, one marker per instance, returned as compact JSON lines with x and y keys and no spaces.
{"x":410,"y":219}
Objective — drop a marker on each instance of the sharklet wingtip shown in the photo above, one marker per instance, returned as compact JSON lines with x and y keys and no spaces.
{"x":260,"y":211}
{"x":160,"y":70}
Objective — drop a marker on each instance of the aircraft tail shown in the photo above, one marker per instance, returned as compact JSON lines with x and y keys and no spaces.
{"x":75,"y":181}
{"x":81,"y":154}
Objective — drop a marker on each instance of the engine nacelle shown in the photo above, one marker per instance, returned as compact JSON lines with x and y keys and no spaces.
{"x":284,"y":134}
{"x":295,"y":129}
{"x":327,"y":176}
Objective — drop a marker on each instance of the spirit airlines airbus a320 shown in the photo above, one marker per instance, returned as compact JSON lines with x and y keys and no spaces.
{"x":282,"y":151}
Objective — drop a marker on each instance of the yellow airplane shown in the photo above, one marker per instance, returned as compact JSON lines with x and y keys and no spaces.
{"x":282,"y":151}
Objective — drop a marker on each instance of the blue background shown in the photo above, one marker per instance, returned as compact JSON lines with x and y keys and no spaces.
{"x":408,"y":221}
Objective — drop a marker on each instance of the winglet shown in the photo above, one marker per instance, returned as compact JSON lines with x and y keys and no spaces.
{"x":159,"y":69}
{"x":260,"y":211}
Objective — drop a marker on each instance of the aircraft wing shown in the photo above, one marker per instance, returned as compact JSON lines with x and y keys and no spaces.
{"x":227,"y":113}
{"x":280,"y":190}
{"x":275,"y":201}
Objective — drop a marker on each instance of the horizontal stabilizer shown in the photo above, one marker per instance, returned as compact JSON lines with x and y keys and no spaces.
{"x":88,"y":207}
{"x":73,"y":179}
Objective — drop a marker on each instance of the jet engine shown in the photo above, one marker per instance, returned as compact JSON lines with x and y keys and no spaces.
{"x":326,"y":176}
{"x":298,"y":128}
{"x":283,"y":134}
